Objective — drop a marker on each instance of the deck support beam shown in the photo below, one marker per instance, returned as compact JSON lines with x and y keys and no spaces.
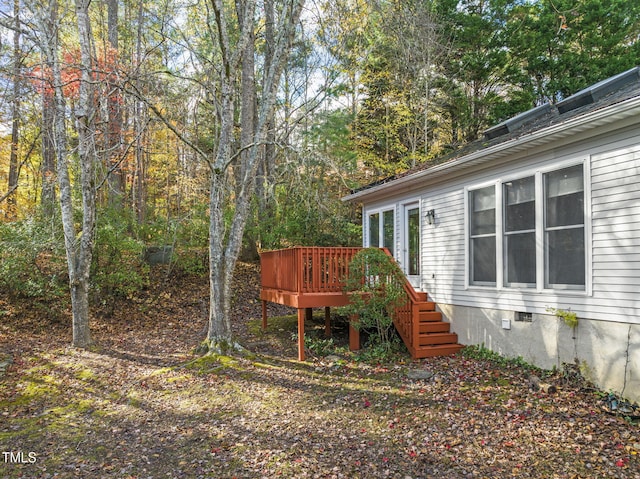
{"x":264,"y":315}
{"x":327,"y":322}
{"x":354,"y":335}
{"x":301,"y":316}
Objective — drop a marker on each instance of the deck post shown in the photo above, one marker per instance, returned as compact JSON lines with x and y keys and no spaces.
{"x":264,"y":314}
{"x":354,"y":335}
{"x":327,"y":321}
{"x":301,"y":315}
{"x":309,"y":314}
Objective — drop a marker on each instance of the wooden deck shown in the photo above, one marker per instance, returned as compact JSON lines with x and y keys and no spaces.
{"x":312,"y":277}
{"x":306,"y":278}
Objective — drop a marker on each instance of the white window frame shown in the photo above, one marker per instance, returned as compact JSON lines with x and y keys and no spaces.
{"x":541,"y":263}
{"x":504,"y":234}
{"x":402,"y":256}
{"x":540,"y":240}
{"x":467,"y":236}
{"x":380,"y":211}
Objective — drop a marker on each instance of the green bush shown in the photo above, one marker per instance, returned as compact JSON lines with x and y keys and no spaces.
{"x":193,"y":260}
{"x":376,"y":285}
{"x":118,"y":268}
{"x":188,"y":236}
{"x":32,"y":259}
{"x":482,"y":353}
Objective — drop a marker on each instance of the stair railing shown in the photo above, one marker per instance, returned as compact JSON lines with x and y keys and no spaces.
{"x":406,"y":317}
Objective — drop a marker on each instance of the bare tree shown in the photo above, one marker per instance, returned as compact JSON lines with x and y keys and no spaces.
{"x":114,"y":111}
{"x":80,"y":250}
{"x":15,"y":117}
{"x":225,"y":242}
{"x":48,"y":164}
{"x":78,"y":244}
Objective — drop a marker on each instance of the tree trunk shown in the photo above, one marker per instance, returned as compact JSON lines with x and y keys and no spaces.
{"x":79,"y":249}
{"x":12,"y":203}
{"x":80,"y":311}
{"x":49,"y":27}
{"x":48,"y":165}
{"x":116,"y":179}
{"x":219,"y":335}
{"x":265,"y":179}
{"x":140,"y":118}
{"x":224,"y":246}
{"x":248,"y":95}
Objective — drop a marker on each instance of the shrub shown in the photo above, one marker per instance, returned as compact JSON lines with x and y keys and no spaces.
{"x":117,"y":269}
{"x":32,"y":259}
{"x":376,"y":285}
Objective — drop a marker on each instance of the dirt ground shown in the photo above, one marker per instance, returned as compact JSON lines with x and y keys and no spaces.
{"x":143,"y":404}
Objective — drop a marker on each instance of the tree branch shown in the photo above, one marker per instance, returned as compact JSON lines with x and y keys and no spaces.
{"x":156,"y":111}
{"x":22,"y":163}
{"x":123,"y":157}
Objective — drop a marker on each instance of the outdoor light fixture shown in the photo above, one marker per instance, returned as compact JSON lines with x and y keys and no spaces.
{"x":431,"y":216}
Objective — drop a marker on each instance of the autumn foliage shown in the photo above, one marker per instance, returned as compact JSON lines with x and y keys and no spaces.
{"x":106,"y":71}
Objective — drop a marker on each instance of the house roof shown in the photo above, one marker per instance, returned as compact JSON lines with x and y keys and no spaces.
{"x":608,"y":101}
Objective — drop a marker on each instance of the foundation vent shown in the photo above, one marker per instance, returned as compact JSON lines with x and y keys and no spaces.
{"x":524,"y":317}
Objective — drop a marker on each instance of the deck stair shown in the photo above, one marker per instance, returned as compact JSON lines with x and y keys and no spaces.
{"x":421,"y":327}
{"x":434,"y":337}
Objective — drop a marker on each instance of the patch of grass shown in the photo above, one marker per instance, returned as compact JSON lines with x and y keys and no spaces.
{"x":320,"y":346}
{"x":177,"y":379}
{"x":376,"y":353}
{"x":85,"y":374}
{"x":274,"y":324}
{"x":483,"y":353}
{"x":213,"y":363}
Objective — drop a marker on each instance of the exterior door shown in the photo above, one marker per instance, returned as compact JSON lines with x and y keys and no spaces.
{"x":411,"y":243}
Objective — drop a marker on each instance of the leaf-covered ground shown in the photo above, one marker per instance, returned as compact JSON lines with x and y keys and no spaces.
{"x":142,"y":404}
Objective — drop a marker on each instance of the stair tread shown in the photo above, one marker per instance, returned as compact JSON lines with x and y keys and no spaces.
{"x":431,"y":339}
{"x":425,"y":304}
{"x":442,"y":346}
{"x":429,"y":316}
{"x":434,"y":327}
{"x":437,"y":350}
{"x":437,"y":334}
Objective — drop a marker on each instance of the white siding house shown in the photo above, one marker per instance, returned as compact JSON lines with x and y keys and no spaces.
{"x":542,"y":214}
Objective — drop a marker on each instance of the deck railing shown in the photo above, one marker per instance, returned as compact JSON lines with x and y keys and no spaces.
{"x":313,"y":270}
{"x":306,"y":269}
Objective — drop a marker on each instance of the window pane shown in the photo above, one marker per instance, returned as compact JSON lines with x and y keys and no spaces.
{"x":483,"y":211}
{"x":387,"y":227}
{"x":483,"y":252}
{"x":521,"y":258}
{"x":374,"y":230}
{"x":520,"y":208}
{"x":564,"y":194}
{"x":413,"y":217}
{"x":566,"y":257}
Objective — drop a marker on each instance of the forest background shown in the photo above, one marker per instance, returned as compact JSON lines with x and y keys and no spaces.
{"x":212,"y":129}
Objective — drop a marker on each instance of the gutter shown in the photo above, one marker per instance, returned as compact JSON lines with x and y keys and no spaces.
{"x":546,"y":135}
